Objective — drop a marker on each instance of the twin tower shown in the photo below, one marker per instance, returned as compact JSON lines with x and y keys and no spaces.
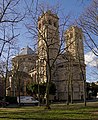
{"x":66,"y":61}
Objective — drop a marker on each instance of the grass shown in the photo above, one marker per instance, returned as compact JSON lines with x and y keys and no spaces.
{"x":57,"y":112}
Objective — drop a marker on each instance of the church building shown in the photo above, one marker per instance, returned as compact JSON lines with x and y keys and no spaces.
{"x":68,"y":72}
{"x":67,"y":67}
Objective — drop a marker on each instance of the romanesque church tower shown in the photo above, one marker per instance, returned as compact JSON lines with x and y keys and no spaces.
{"x":70,"y":73}
{"x":74,"y":43}
{"x":48,"y":41}
{"x":77,"y":72}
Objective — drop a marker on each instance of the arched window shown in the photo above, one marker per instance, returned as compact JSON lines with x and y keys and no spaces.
{"x":55,"y":24}
{"x":43,"y":23}
{"x":71,"y":35}
{"x":50,"y":22}
{"x":39,"y":26}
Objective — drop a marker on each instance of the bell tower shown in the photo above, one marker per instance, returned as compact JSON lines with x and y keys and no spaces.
{"x":48,"y":40}
{"x":48,"y":30}
{"x":77,"y":71}
{"x":74,"y":43}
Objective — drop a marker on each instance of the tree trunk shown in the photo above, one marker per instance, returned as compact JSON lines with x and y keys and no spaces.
{"x":68,"y":93}
{"x":5,"y":89}
{"x":19,"y":92}
{"x":71,"y":92}
{"x":48,"y":74}
{"x":47,"y":96}
{"x":38,"y":93}
{"x":84,"y":92}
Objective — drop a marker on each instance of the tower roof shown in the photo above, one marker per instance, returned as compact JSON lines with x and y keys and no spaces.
{"x":50,"y":13}
{"x":74,"y":27}
{"x":26,"y":51}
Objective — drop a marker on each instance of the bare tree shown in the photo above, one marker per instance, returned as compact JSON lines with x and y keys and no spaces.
{"x":48,"y":38}
{"x":89,"y":23}
{"x":6,"y":67}
{"x":9,"y":17}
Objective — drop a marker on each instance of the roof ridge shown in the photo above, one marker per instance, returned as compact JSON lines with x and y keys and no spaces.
{"x":26,"y":51}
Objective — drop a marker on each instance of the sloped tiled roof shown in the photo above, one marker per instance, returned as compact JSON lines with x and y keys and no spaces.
{"x":26,"y":51}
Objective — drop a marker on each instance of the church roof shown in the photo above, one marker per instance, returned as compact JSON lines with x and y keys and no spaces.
{"x":26,"y":51}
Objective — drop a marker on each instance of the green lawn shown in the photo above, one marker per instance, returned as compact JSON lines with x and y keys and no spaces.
{"x":57,"y":112}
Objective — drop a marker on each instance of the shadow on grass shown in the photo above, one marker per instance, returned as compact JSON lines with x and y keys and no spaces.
{"x":58,"y":112}
{"x":8,"y":118}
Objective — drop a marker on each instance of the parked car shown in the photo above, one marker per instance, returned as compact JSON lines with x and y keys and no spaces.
{"x":27,"y":100}
{"x":3,"y":103}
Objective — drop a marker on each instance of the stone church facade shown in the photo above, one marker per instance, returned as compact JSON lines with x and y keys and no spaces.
{"x":68,"y":72}
{"x":68,"y":68}
{"x":19,"y":77}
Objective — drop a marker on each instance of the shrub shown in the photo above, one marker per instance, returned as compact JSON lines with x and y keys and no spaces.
{"x":11,"y":100}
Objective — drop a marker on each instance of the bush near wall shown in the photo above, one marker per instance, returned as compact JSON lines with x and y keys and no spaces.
{"x":11,"y":100}
{"x":1,"y":98}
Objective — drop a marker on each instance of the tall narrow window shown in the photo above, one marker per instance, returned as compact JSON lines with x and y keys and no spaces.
{"x":55,"y":24}
{"x":43,"y":23}
{"x":71,"y":35}
{"x":50,"y":23}
{"x":39,"y":26}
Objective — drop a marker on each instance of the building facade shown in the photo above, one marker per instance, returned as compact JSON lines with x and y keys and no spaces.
{"x":71,"y":74}
{"x":19,"y":78}
{"x":67,"y":68}
{"x":48,"y":42}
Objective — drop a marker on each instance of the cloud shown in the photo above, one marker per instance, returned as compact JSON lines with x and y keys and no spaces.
{"x":91,"y":59}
